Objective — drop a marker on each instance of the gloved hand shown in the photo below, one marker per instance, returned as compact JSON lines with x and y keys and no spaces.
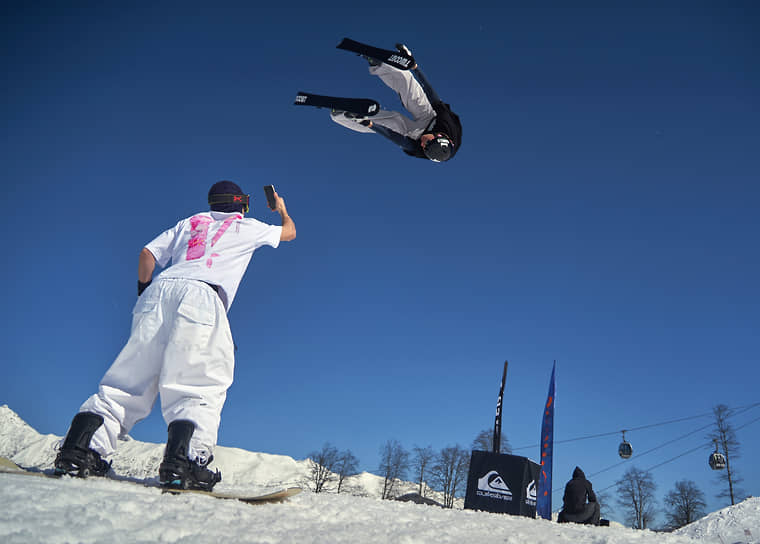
{"x":141,"y":286}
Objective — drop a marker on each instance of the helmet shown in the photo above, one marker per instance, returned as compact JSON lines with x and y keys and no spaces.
{"x":226,"y":196}
{"x":439,"y":148}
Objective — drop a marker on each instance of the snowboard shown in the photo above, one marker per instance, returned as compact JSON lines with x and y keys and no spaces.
{"x":364,"y":107}
{"x":9,"y":467}
{"x":388,"y":56}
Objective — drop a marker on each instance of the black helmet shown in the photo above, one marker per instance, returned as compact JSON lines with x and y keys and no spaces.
{"x":226,"y":196}
{"x":439,"y":148}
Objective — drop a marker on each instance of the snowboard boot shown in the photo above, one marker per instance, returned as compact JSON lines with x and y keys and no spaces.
{"x":75,"y":457}
{"x":371,"y":61}
{"x":404,"y":50}
{"x":177,"y":471}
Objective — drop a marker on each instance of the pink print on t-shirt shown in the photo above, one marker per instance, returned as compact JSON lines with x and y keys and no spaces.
{"x":196,"y":246}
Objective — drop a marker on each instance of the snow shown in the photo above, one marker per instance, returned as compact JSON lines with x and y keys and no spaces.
{"x":34,"y":509}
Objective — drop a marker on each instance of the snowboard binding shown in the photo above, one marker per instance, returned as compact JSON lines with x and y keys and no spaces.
{"x":177,"y":470}
{"x":76,"y":458}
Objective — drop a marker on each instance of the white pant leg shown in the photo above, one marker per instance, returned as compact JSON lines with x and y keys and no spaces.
{"x":391,"y":119}
{"x":128,"y":390}
{"x":409,"y":90}
{"x":198,"y":365}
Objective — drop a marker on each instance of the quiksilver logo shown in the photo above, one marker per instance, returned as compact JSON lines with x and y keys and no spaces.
{"x":401,"y":61}
{"x":531,"y":493}
{"x":493,"y":485}
{"x":372,"y":108}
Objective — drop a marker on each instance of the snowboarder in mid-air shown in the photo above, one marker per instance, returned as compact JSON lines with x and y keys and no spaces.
{"x":180,"y":346}
{"x":433,"y":133}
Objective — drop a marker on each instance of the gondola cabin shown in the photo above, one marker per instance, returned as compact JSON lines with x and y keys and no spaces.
{"x":625,"y":450}
{"x":717,"y":461}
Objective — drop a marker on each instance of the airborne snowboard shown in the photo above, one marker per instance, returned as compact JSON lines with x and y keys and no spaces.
{"x":363,"y":107}
{"x":9,"y":467}
{"x":388,"y":56}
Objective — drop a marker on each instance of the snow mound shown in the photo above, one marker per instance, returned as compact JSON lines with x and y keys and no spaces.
{"x":738,"y":524}
{"x":45,"y":510}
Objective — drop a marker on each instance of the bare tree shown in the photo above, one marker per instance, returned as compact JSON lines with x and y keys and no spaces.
{"x":423,"y":457}
{"x":484,"y":442}
{"x":394,"y":462}
{"x":725,"y":436}
{"x":636,"y":496}
{"x":321,"y":466}
{"x":686,"y":503}
{"x":449,"y":472}
{"x":347,"y":466}
{"x":604,"y":499}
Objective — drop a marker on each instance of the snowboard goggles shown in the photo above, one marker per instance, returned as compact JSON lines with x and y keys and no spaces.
{"x":231,"y":199}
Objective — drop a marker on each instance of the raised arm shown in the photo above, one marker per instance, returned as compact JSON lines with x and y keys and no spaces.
{"x":288,"y":226}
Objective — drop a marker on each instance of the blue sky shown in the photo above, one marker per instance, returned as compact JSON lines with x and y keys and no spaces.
{"x":602,"y":212}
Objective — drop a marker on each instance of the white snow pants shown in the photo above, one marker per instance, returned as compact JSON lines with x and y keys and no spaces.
{"x":181,"y":348}
{"x":412,"y":97}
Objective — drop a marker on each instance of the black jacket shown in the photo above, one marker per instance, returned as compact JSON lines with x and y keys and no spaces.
{"x":576,"y":492}
{"x":446,"y":121}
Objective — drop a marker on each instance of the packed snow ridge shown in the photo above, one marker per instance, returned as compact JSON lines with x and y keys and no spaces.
{"x":105,"y":510}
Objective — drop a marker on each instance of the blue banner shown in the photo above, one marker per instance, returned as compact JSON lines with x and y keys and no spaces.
{"x":544,"y":499}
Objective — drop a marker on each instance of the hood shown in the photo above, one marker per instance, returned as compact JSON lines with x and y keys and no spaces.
{"x":578,"y":473}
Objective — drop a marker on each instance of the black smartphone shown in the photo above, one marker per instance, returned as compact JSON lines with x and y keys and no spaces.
{"x":269,"y":191}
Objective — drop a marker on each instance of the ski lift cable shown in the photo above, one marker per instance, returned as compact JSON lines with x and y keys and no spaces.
{"x":690,"y":433}
{"x":734,"y":412}
{"x":701,"y":446}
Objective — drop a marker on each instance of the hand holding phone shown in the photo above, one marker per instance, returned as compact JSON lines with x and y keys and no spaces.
{"x":271,"y":200}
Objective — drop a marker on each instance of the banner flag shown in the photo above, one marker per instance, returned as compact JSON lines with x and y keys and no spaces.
{"x":544,"y":499}
{"x":497,"y":423}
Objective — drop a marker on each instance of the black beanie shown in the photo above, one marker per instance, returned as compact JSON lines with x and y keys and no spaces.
{"x":226,"y":188}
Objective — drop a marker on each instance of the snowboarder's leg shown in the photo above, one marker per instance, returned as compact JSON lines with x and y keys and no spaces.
{"x":75,"y":456}
{"x":391,"y":119}
{"x":198,"y":365}
{"x":177,"y":469}
{"x":409,"y":90}
{"x":129,"y":388}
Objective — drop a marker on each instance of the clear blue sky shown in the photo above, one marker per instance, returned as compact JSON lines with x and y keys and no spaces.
{"x":602,"y":211}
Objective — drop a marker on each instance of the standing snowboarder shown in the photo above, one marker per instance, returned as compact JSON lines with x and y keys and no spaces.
{"x":433,"y":133}
{"x":180,"y":346}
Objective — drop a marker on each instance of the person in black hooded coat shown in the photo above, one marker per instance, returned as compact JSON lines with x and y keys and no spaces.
{"x":575,"y":508}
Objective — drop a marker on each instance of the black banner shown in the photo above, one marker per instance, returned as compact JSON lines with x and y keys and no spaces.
{"x":497,"y":422}
{"x":502,"y":483}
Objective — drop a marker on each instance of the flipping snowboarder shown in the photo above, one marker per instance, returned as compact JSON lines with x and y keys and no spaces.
{"x":433,"y":133}
{"x":180,"y":346}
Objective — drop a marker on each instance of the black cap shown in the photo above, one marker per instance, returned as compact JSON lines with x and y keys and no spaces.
{"x":227,"y":196}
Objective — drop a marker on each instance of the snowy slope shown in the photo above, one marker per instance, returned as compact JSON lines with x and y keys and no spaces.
{"x":100,"y":510}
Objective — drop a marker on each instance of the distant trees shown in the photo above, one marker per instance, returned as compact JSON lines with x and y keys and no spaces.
{"x":348,"y":465}
{"x":394,"y":463}
{"x":421,"y":464}
{"x":449,"y":472}
{"x":636,"y":496}
{"x":328,"y":465}
{"x":684,"y":504}
{"x":725,"y":436}
{"x":484,"y":442}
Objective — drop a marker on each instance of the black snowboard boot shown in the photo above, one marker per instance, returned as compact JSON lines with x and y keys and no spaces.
{"x":177,"y":470}
{"x":75,"y":457}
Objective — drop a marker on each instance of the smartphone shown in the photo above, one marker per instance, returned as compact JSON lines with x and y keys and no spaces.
{"x":269,"y":191}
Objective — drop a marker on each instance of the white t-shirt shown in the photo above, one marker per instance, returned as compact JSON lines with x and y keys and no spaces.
{"x":214,"y":247}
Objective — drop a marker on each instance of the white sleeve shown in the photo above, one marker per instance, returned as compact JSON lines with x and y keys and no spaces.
{"x":162,"y":246}
{"x":264,"y":234}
